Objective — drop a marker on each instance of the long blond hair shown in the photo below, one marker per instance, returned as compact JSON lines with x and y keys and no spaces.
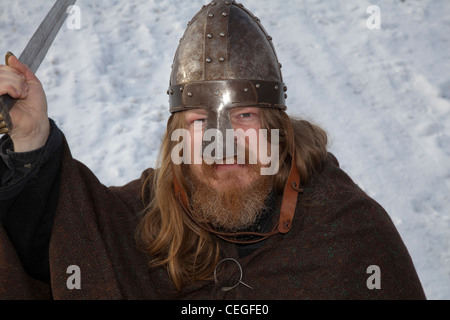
{"x":171,"y":238}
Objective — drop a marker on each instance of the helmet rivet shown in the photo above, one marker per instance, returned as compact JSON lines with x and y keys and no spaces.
{"x":224,"y":14}
{"x":223,"y":34}
{"x":168,"y":92}
{"x":245,"y":89}
{"x":211,"y":15}
{"x":270,"y":38}
{"x":280,"y":65}
{"x":222,"y":59}
{"x":171,"y":92}
{"x":227,"y":3}
{"x":190,"y":94}
{"x":209,"y":60}
{"x":181,"y":89}
{"x":277,"y":87}
{"x":213,"y":3}
{"x":258,"y":86}
{"x":285,"y":89}
{"x":209,"y":35}
{"x":285,"y":96}
{"x":216,"y":93}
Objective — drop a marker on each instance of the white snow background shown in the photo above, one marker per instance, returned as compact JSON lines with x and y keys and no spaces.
{"x":382,"y":95}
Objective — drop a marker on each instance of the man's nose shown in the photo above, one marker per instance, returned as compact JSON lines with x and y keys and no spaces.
{"x":219,"y":140}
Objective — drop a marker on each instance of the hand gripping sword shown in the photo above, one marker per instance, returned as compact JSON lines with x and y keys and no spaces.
{"x":34,"y":53}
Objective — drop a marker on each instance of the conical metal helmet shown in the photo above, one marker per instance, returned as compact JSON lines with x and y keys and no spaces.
{"x":225,"y":59}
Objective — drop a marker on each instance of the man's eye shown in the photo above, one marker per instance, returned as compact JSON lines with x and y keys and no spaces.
{"x":246,"y":115}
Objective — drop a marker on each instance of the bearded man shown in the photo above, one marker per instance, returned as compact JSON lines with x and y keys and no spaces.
{"x":218,"y":228}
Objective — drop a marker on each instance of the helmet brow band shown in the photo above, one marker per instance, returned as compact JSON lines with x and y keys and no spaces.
{"x":234,"y":93}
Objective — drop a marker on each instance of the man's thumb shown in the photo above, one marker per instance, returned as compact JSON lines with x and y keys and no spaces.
{"x":13,"y":62}
{"x":9,"y":54}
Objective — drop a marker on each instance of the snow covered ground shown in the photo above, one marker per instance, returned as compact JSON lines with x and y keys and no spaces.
{"x":382,"y":95}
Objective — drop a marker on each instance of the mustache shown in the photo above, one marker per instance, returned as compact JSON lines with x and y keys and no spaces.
{"x":210,"y":169}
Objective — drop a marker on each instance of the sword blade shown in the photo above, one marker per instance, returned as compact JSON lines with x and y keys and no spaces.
{"x":37,"y":48}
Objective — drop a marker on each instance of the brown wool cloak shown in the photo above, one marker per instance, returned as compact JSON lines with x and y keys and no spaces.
{"x":337,"y":233}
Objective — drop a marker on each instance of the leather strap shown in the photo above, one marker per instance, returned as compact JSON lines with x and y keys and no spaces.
{"x":180,"y":194}
{"x":289,"y":202}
